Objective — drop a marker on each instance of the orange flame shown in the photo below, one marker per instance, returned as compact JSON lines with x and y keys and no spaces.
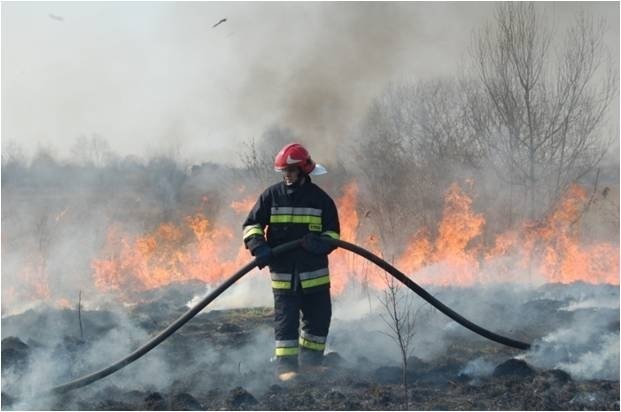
{"x":553,"y":250}
{"x":33,"y":286}
{"x":243,"y":206}
{"x":550,"y":250}
{"x":168,"y":254}
{"x":63,"y":303}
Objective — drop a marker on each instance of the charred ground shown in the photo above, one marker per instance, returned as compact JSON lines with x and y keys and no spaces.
{"x":220,"y":360}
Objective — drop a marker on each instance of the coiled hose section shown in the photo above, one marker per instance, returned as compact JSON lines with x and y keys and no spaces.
{"x":95,"y":376}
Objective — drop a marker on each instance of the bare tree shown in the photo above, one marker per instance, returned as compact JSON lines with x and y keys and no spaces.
{"x":166,"y":179}
{"x":92,"y":151}
{"x":259,"y":158}
{"x":442,"y":135}
{"x":257,"y":163}
{"x":80,"y":315}
{"x":543,"y":111}
{"x":415,"y":139}
{"x":385,"y":167}
{"x":13,"y":162}
{"x":12,"y":152}
{"x":400,"y":318}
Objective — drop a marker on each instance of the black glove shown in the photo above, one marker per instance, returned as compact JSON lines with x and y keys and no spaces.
{"x":312,"y":242}
{"x":263,"y":255}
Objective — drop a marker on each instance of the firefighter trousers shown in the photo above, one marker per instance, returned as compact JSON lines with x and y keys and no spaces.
{"x":310,"y":341}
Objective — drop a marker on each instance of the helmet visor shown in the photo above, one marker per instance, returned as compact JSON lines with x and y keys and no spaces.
{"x":318,"y":170}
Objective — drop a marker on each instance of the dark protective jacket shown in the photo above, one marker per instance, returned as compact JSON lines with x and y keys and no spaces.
{"x":290,"y":213}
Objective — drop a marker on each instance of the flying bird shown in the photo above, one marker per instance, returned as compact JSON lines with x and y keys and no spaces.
{"x":53,"y":16}
{"x":220,"y":22}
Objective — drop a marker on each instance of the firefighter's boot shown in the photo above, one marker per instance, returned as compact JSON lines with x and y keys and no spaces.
{"x":311,"y":363}
{"x":286,"y":368}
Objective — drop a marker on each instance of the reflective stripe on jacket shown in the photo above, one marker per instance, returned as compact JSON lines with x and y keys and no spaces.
{"x":285,"y":214}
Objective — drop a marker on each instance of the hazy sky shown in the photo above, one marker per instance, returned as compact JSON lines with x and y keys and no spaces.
{"x":152,"y":77}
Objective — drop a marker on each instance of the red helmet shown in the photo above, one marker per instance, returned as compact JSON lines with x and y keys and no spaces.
{"x":294,"y":154}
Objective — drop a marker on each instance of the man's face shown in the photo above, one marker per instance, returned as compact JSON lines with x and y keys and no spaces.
{"x":291,"y":175}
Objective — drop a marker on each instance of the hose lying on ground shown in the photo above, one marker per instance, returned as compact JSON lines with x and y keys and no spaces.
{"x":90,"y":378}
{"x":425,"y":295}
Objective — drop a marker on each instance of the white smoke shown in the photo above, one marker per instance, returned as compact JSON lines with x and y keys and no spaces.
{"x":583,"y":341}
{"x":479,"y":368}
{"x":587,"y":347}
{"x":251,"y":291}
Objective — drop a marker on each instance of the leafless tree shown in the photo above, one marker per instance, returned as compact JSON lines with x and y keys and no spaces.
{"x":257,"y":163}
{"x":13,"y":163}
{"x":258,"y":158}
{"x":415,"y":139}
{"x":384,"y":167}
{"x":543,"y":103}
{"x":441,"y":132}
{"x":92,"y":151}
{"x":80,"y":315}
{"x":166,"y":178}
{"x":400,"y":318}
{"x":12,"y":152}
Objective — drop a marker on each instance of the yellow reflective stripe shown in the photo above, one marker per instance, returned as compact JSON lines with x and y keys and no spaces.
{"x":249,"y":227}
{"x":312,"y":345}
{"x":313,"y":338}
{"x":332,"y":234}
{"x":316,"y":282}
{"x":253,"y":231}
{"x":287,"y":351}
{"x":295,"y":219}
{"x":279,"y":284}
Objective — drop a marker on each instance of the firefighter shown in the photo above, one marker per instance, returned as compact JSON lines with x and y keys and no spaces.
{"x":292,"y":209}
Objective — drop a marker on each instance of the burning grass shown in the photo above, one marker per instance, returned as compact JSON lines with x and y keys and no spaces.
{"x":203,"y":246}
{"x":142,"y":279}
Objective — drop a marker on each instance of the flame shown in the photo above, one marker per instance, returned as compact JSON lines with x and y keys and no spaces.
{"x":35,"y":278}
{"x":244,"y":206}
{"x":341,"y":263}
{"x":553,"y":249}
{"x":33,"y":286}
{"x":63,"y":303}
{"x":550,"y":250}
{"x":170,"y":253}
{"x":459,"y":227}
{"x":454,"y":252}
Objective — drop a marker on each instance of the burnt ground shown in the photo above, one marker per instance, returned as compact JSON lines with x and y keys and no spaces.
{"x":220,"y":360}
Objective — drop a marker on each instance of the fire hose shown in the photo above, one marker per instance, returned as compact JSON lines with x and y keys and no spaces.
{"x":159,"y":338}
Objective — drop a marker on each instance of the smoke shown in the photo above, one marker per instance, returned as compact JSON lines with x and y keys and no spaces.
{"x":568,"y":330}
{"x":253,"y":290}
{"x":57,"y":355}
{"x":479,"y":368}
{"x":47,"y":247}
{"x":566,"y":326}
{"x":587,"y":347}
{"x":187,"y":361}
{"x":158,"y":76}
{"x":308,"y":68}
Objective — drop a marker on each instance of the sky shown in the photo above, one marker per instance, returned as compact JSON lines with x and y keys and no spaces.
{"x":157,"y":78}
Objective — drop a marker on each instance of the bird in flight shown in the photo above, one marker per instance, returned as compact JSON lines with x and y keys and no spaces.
{"x":55,"y":17}
{"x":220,"y":22}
